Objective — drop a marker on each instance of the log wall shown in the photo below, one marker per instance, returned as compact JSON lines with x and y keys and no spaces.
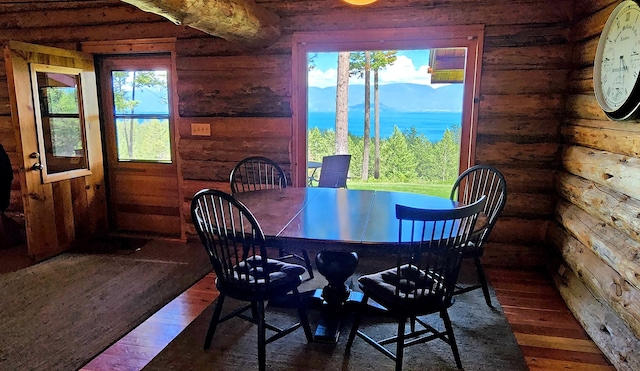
{"x":245,"y":94}
{"x":596,"y":232}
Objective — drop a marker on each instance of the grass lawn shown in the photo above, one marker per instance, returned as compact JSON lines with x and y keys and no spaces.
{"x":442,"y":190}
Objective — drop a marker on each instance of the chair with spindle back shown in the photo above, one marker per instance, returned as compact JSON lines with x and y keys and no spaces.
{"x":235,"y":244}
{"x":257,"y":173}
{"x":471,"y":185}
{"x":428,"y":258}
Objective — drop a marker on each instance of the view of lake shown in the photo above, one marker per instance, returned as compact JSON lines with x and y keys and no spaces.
{"x":431,"y":124}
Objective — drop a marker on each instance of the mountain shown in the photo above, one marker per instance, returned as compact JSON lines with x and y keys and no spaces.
{"x":393,"y":97}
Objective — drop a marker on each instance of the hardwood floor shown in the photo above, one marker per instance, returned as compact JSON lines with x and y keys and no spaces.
{"x":549,"y":335}
{"x":138,"y":347}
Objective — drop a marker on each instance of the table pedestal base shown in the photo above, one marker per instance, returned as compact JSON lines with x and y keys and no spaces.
{"x":336,"y":267}
{"x":328,"y":329}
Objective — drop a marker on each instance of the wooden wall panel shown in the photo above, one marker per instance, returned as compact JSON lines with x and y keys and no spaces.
{"x":245,"y":94}
{"x":607,"y":330}
{"x":597,"y":240}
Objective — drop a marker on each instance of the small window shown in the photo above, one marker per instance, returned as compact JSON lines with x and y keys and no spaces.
{"x":61,"y":127}
{"x":141,"y":113}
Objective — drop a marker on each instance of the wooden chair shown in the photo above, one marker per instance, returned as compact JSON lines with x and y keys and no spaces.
{"x":429,"y":255}
{"x":334,"y":171}
{"x":255,"y":173}
{"x":235,"y":244}
{"x":471,"y":185}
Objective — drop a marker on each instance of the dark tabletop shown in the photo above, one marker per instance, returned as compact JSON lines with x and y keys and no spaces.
{"x":334,"y":214}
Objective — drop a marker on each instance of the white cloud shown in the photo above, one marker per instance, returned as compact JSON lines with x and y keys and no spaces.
{"x":323,"y":79}
{"x":402,"y":71}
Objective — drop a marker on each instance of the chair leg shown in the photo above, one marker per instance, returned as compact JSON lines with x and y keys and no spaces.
{"x":483,"y":282}
{"x":262,"y":339}
{"x":452,"y":340}
{"x":304,"y":320}
{"x":402,"y":322}
{"x":307,"y":262}
{"x":356,"y":323}
{"x":254,"y":310}
{"x":214,"y":321}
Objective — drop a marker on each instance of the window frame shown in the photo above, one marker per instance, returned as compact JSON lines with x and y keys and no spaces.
{"x":41,"y":156}
{"x":128,"y":63}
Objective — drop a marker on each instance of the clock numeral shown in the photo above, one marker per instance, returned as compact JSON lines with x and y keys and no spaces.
{"x":627,"y":17}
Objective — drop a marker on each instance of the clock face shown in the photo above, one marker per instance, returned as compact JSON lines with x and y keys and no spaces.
{"x":617,"y":64}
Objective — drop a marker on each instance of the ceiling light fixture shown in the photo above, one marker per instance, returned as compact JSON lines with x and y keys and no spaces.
{"x":359,"y":2}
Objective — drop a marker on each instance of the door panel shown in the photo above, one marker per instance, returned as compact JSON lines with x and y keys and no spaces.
{"x":141,"y":165}
{"x":62,"y":213}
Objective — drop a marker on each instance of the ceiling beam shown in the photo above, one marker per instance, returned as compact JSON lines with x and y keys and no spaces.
{"x":240,"y":21}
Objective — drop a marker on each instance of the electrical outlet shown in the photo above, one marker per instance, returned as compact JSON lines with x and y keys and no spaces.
{"x":201,"y":129}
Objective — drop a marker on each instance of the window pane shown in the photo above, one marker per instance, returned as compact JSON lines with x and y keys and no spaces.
{"x":66,"y":137}
{"x":58,"y":93}
{"x":140,"y":92}
{"x":143,"y":140}
{"x":141,"y":103}
{"x":62,"y":127}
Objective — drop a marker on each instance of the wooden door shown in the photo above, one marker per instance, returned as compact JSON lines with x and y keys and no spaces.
{"x":63,"y":189}
{"x":141,"y":166}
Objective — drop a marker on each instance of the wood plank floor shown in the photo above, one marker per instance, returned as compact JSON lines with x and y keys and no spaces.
{"x":549,"y":335}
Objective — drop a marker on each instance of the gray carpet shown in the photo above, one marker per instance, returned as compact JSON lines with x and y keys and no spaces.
{"x":58,"y":314}
{"x":483,"y":335}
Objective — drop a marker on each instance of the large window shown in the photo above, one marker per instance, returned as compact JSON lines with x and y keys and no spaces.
{"x":456,"y":44}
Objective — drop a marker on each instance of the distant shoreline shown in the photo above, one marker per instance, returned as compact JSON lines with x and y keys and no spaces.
{"x":432,"y":124}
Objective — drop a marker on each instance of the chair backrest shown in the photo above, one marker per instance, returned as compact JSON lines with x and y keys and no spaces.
{"x":478,"y":181}
{"x":255,"y":173}
{"x":430,"y":250}
{"x":230,"y":234}
{"x":334,"y":171}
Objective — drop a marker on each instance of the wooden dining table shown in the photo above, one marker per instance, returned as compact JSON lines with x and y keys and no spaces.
{"x":334,"y":219}
{"x":315,"y":216}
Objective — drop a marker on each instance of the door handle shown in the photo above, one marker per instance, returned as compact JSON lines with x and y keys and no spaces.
{"x":34,"y":155}
{"x":37,"y":166}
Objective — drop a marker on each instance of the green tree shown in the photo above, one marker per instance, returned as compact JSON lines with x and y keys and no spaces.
{"x":66,"y":132}
{"x":447,"y":155}
{"x":380,"y":61}
{"x":342,"y":104}
{"x":398,"y":162}
{"x":125,"y":84}
{"x":321,"y":143}
{"x":421,"y":147}
{"x":360,"y":65}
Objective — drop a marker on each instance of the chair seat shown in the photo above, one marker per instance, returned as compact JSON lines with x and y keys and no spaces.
{"x":283,"y":277}
{"x":382,"y":286}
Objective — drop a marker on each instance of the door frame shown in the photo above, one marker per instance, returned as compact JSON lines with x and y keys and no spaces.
{"x":137,"y":48}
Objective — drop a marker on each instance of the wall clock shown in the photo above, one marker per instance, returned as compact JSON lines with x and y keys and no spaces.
{"x":616,"y":69}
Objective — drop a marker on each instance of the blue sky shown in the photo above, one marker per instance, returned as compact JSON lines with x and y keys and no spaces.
{"x":411,"y":66}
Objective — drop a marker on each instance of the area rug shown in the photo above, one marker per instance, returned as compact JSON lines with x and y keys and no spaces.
{"x":58,"y":314}
{"x":483,"y":336}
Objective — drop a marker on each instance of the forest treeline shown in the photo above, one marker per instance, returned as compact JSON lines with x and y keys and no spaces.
{"x":405,"y":156}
